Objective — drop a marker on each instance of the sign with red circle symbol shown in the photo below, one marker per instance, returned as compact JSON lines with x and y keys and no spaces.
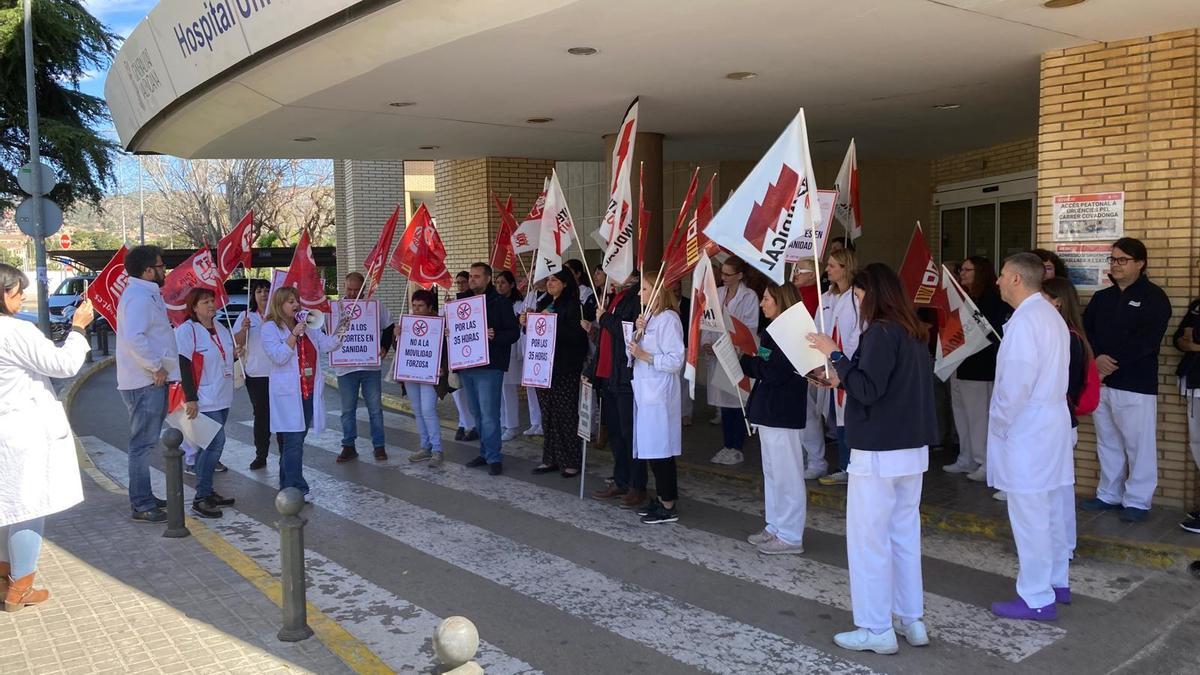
{"x":420,"y":328}
{"x":358,"y":321}
{"x":419,"y":349}
{"x":467,"y":339}
{"x":354,"y":311}
{"x":538,"y":368}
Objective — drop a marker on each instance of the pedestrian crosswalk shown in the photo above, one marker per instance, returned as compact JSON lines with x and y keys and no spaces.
{"x":680,"y":626}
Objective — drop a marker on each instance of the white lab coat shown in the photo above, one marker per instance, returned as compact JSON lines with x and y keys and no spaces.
{"x":37,"y":450}
{"x":657,"y":422}
{"x":841,"y":312}
{"x":1029,"y":426}
{"x":287,"y":408}
{"x":145,"y":339}
{"x":256,"y":363}
{"x":743,"y":307}
{"x":215,"y":389}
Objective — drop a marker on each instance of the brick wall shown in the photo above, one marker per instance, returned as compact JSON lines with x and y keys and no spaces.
{"x":1121,"y":116}
{"x":365,"y":194}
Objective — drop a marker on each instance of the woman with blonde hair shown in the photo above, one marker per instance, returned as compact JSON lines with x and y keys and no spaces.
{"x":297,"y":404}
{"x":657,"y":424}
{"x":840,"y":307}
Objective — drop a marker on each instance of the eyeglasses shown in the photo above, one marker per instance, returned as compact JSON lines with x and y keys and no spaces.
{"x":729,"y":274}
{"x":1121,"y":262}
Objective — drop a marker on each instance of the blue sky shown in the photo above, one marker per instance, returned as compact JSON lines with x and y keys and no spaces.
{"x":120,"y":16}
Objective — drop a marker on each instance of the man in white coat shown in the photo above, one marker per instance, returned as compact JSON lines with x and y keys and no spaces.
{"x":147,"y":358}
{"x":1029,"y":439}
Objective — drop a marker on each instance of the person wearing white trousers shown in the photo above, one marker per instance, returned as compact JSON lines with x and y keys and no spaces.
{"x":890,"y":422}
{"x":1189,"y":387}
{"x":510,"y":399}
{"x":812,"y":436}
{"x":1125,"y":325}
{"x":1029,"y":439}
{"x":969,"y":400}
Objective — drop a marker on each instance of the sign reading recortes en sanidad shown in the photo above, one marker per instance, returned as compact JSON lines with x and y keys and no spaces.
{"x":360,"y":345}
{"x":419,"y":349}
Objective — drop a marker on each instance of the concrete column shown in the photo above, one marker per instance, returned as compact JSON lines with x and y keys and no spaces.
{"x":647,"y":149}
{"x":366,"y":192}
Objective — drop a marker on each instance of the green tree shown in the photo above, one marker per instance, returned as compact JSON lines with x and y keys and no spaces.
{"x":67,"y":43}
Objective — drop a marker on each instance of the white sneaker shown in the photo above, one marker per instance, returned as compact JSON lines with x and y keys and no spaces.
{"x":978,"y":475}
{"x":308,"y":497}
{"x":535,"y":430}
{"x":715,"y":420}
{"x":835,"y":478}
{"x":959,"y":468}
{"x":813,"y":474}
{"x":778,"y":546}
{"x":914,"y":633}
{"x":508,"y":434}
{"x":761,"y":537}
{"x":1000,"y":496}
{"x":863,"y":640}
{"x":728,"y":457}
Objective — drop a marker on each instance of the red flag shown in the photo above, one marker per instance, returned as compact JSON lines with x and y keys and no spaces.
{"x":378,"y":256}
{"x":234,"y":248}
{"x":742,"y":336}
{"x":679,"y":261}
{"x":304,"y":276}
{"x":421,"y":256}
{"x":106,"y":289}
{"x":503,"y":255}
{"x":198,"y":271}
{"x":920,"y":277}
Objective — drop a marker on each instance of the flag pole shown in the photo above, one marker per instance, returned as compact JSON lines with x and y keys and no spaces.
{"x":675,"y":239}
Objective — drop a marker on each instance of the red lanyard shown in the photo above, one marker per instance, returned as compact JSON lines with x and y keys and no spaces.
{"x":216,"y":338}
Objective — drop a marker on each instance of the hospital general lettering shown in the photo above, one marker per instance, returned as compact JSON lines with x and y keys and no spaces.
{"x":216,"y":19}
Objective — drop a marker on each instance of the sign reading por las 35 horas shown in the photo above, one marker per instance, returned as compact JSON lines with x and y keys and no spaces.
{"x":540,"y":333}
{"x":467,"y":343}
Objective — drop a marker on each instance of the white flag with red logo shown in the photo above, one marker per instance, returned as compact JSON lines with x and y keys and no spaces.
{"x":616,"y":228}
{"x":775,"y":204}
{"x":304,"y":276}
{"x":234,"y":248}
{"x":705,"y":315}
{"x":557,"y":232}
{"x":106,"y":289}
{"x":847,"y":209}
{"x":962,"y":330}
{"x":198,"y":271}
{"x":525,"y":237}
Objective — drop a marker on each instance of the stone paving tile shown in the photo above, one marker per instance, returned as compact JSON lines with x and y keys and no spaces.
{"x":126,"y":600}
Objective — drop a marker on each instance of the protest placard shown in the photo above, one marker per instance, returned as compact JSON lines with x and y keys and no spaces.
{"x":467,"y":343}
{"x":540,"y":333}
{"x":360,"y":345}
{"x":419,"y":349}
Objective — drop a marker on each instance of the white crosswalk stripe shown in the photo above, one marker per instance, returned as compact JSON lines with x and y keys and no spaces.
{"x":1092,"y":578}
{"x":680,"y":630}
{"x":397,"y":631}
{"x":950,"y":620}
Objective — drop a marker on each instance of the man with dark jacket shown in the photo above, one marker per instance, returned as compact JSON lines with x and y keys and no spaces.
{"x":611,"y":371}
{"x":481,"y":385}
{"x":1188,"y":371}
{"x":1125,"y":324}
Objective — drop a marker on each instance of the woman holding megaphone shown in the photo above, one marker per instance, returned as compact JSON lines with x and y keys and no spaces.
{"x":294,"y":342}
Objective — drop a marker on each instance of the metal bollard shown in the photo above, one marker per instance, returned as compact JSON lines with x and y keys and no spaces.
{"x":173,"y":456}
{"x":288,"y":502}
{"x":103,"y":332}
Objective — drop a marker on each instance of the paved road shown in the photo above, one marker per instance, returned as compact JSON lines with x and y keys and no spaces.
{"x":559,"y":585}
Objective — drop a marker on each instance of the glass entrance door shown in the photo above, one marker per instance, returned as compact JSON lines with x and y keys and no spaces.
{"x":994,"y":229}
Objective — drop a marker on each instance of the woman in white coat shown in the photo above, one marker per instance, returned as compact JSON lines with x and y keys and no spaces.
{"x":206,"y":355}
{"x":840,"y":309}
{"x":297,"y":386}
{"x":738,"y":301}
{"x":247,"y":331}
{"x":657,"y":424}
{"x":37,"y":450}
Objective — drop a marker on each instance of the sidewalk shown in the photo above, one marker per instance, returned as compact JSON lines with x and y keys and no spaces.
{"x":949,"y":502}
{"x":124,"y":599}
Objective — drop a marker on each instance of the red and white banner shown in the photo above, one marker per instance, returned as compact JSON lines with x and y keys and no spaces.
{"x":541,"y":332}
{"x":773,"y":206}
{"x":683,"y":254}
{"x":848,"y":211}
{"x":557,"y":232}
{"x":705,"y":315}
{"x":198,"y":271}
{"x":616,"y":234}
{"x":504,"y":257}
{"x":920,"y":276}
{"x":467,"y":343}
{"x":234,"y":248}
{"x":304,"y":276}
{"x":419,"y":349}
{"x":525,"y":238}
{"x":421,"y":256}
{"x":377,"y":259}
{"x":106,"y":289}
{"x":962,"y":330}
{"x":802,"y":246}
